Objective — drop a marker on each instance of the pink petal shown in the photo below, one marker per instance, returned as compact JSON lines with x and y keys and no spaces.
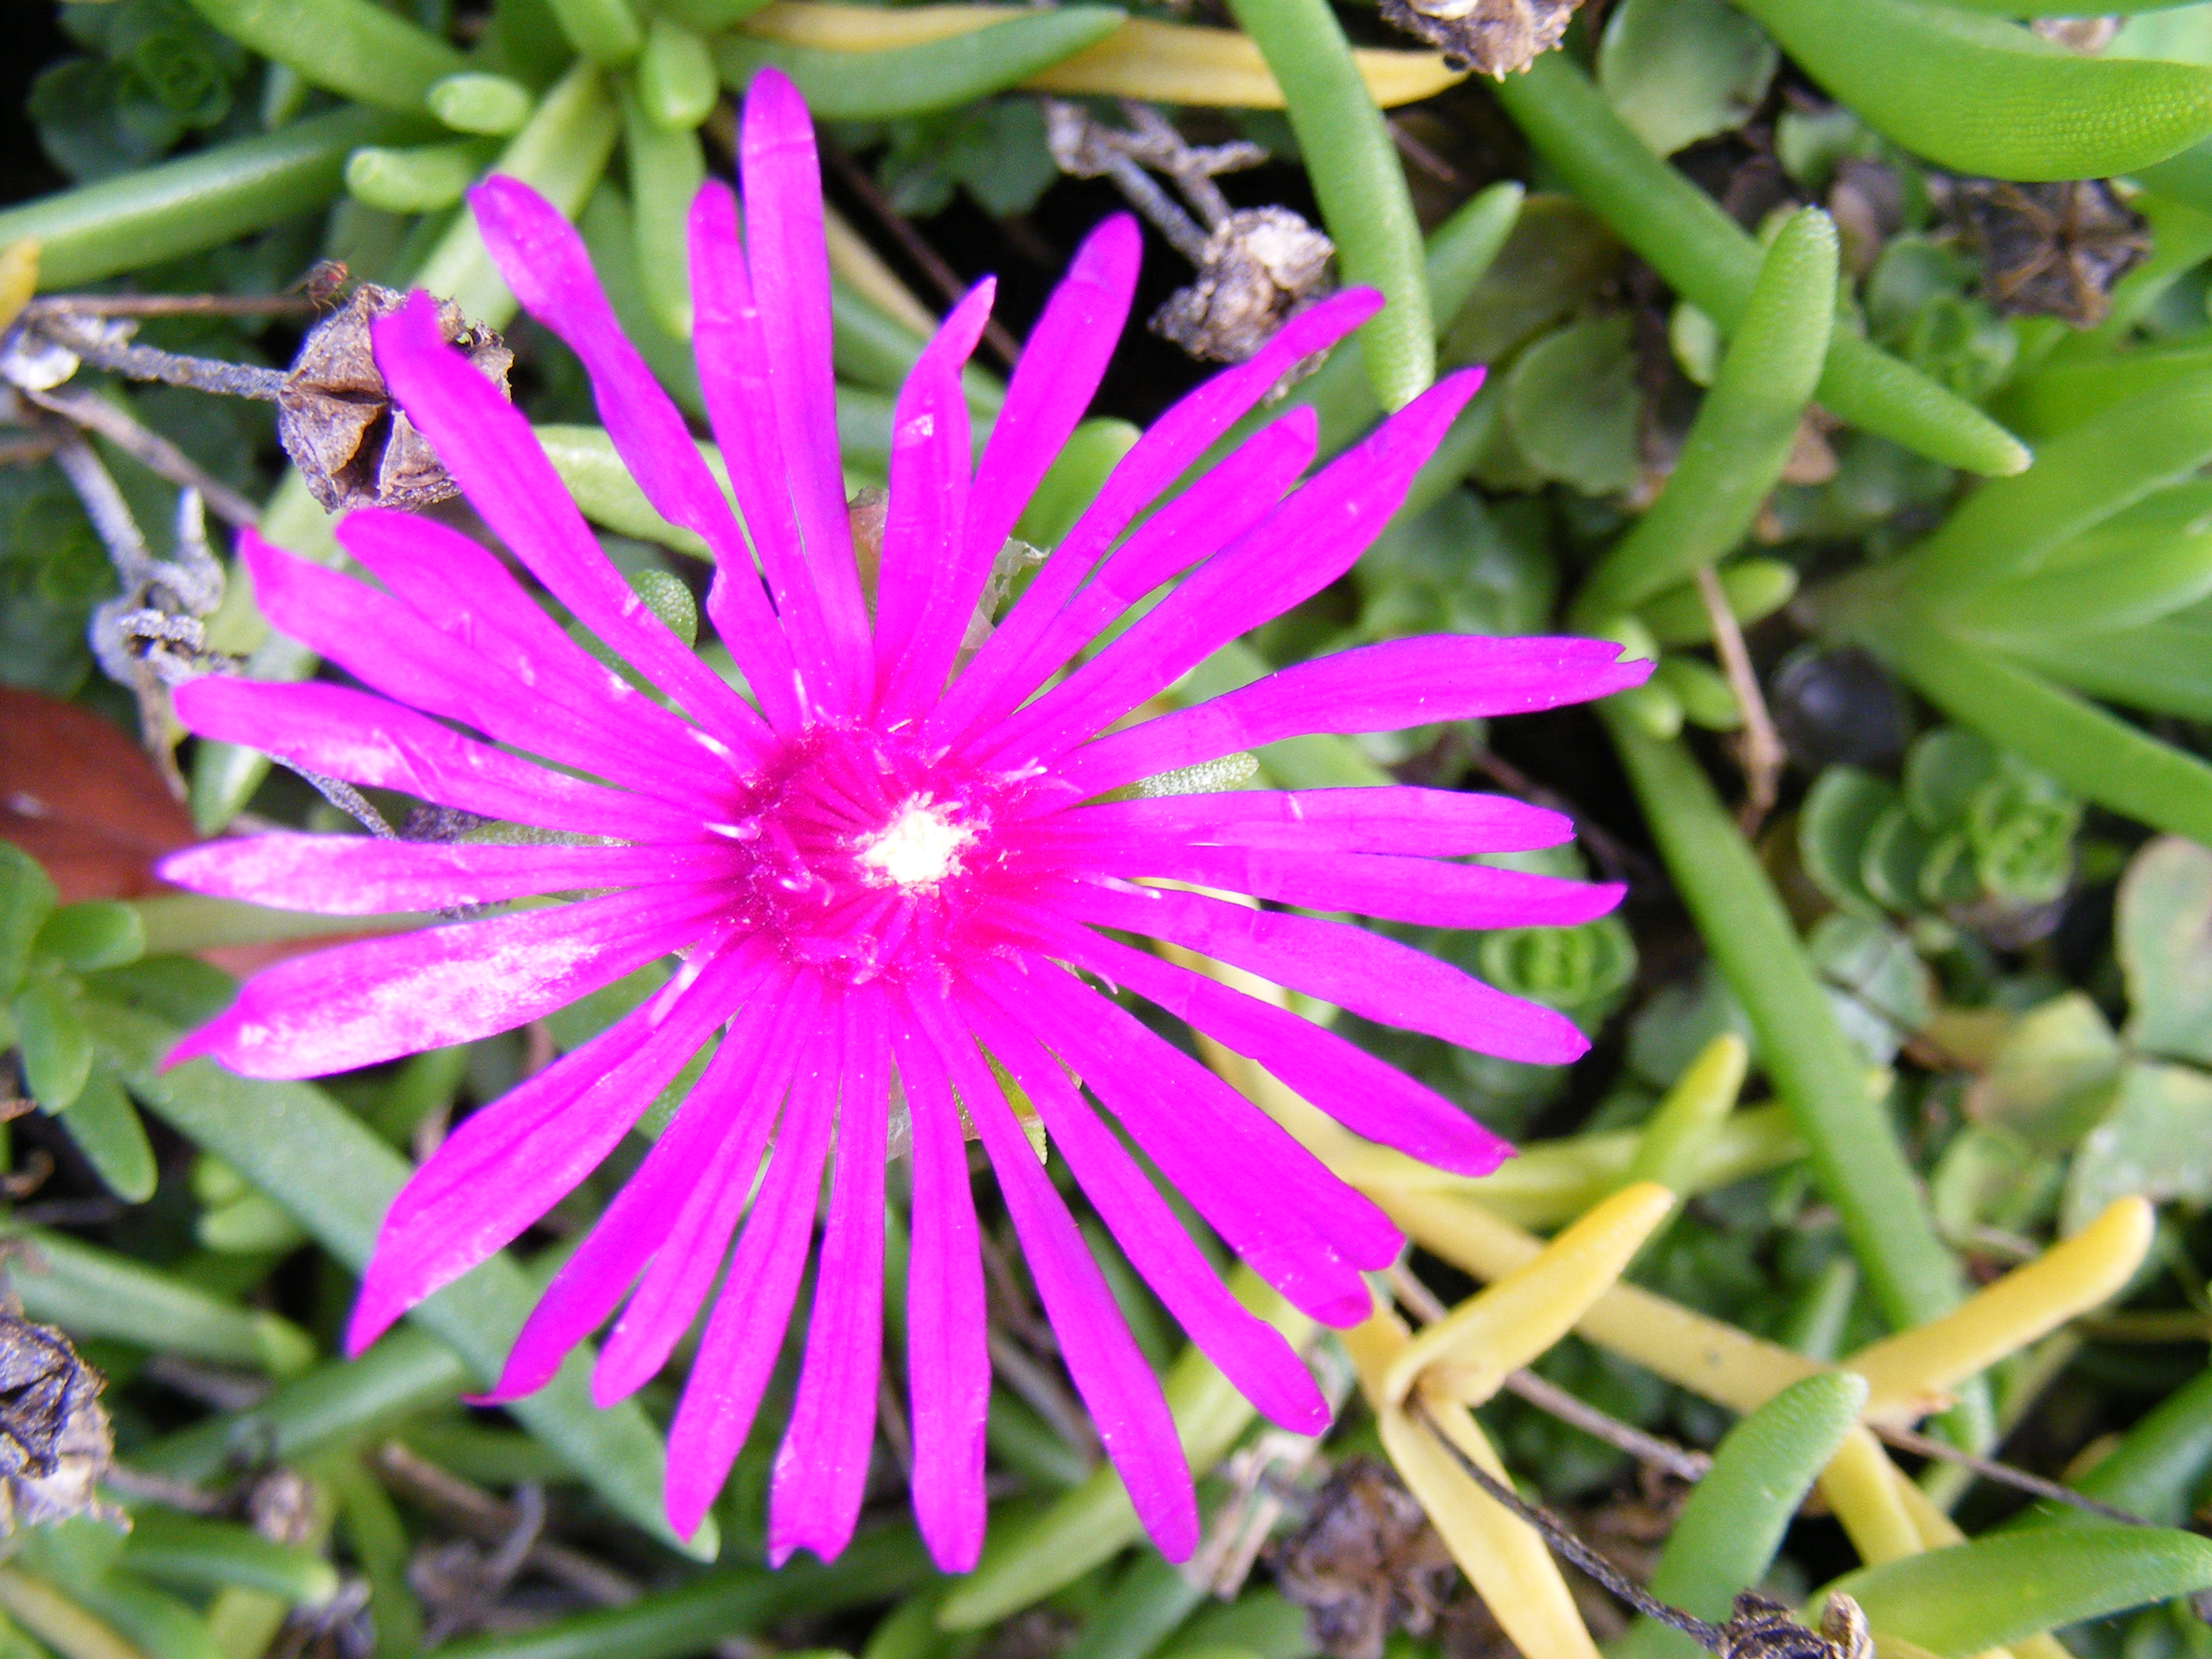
{"x":1386,"y":818}
{"x":948,"y":1364}
{"x":1373,"y":976}
{"x":387,"y":646}
{"x":1368,"y":1097}
{"x":1060,"y":370}
{"x":1375,"y":688}
{"x":696,"y":1241}
{"x":381,"y":998}
{"x":544,"y":260}
{"x":463,"y":592}
{"x":1424,"y":891}
{"x":822,"y":1468}
{"x":1194,"y":527}
{"x":1166,"y":451}
{"x":722,"y":1121}
{"x":511,"y":1162}
{"x":1251,"y":1353}
{"x":744,"y":1333}
{"x":790,"y":267}
{"x":355,"y":876}
{"x":1117,"y":1386}
{"x":729,"y":341}
{"x":365,"y":739}
{"x":1301,"y":1228}
{"x":1303,"y":545}
{"x":929,"y":496}
{"x":494,"y":456}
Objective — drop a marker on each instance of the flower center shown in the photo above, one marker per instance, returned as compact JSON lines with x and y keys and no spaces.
{"x":918,"y":848}
{"x":866,"y":856}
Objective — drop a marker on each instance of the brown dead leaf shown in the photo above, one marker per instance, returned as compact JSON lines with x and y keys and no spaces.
{"x":81,"y":797}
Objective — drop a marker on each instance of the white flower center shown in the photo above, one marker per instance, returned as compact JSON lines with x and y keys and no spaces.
{"x":918,"y":847}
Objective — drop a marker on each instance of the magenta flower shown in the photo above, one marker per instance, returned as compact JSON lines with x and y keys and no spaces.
{"x":887,"y":862}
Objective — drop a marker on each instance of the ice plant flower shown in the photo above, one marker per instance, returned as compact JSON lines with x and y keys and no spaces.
{"x":892,"y":860}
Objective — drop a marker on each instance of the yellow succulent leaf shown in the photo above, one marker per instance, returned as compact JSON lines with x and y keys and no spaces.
{"x":1467,"y":1355}
{"x":19,"y":278}
{"x":1163,"y":63}
{"x":1908,"y":1374}
{"x":1716,"y":1359}
{"x":1502,"y":1556}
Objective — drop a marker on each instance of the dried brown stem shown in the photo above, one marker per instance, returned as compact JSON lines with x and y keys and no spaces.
{"x":489,"y":1519}
{"x":1758,"y":748}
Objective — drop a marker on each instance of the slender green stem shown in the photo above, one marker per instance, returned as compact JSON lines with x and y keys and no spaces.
{"x":560,"y":153}
{"x":1853,"y":1147}
{"x":200,"y":201}
{"x":353,"y":47}
{"x":1742,"y":438}
{"x":1358,"y":181}
{"x":1989,"y":98}
{"x":2098,"y":756}
{"x":2155,"y":1471}
{"x":1709,"y":260}
{"x":926,"y":78}
{"x":878,"y":1567}
{"x":605,"y":30}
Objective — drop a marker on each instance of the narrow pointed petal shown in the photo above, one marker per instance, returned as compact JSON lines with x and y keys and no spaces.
{"x":361,"y":876}
{"x":790,"y":267}
{"x":1373,"y":688}
{"x":928,"y":510}
{"x":696,"y":1240}
{"x":1300,"y":1227}
{"x":379,"y":999}
{"x":1117,"y":1386}
{"x":481,"y":610}
{"x":1378,"y":978}
{"x":1222,"y":506}
{"x":1424,"y":891}
{"x":744,"y":1333}
{"x":366,"y":739}
{"x":948,"y":1363}
{"x":544,"y":260}
{"x":1367,"y":1096}
{"x":1060,"y":370}
{"x":821,"y":1469}
{"x":1251,"y":1353}
{"x":729,"y":341}
{"x":1297,"y":549}
{"x":720,"y":1121}
{"x":1384,"y":819}
{"x":505,"y":1165}
{"x":389,"y":647}
{"x":486,"y":444}
{"x":1167,"y":450}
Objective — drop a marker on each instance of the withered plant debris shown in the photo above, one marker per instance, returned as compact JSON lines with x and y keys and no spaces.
{"x":1497,"y":37}
{"x":1364,"y":1562}
{"x":2051,"y":250}
{"x":55,"y":1440}
{"x":1257,"y":267}
{"x":1760,"y":1628}
{"x":335,"y":420}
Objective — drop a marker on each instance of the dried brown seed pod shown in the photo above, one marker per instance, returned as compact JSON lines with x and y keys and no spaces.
{"x":1495,"y":37}
{"x":2050,"y":250}
{"x":55,"y":1441}
{"x":1259,"y":267}
{"x":1760,"y":1628}
{"x":336,"y":419}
